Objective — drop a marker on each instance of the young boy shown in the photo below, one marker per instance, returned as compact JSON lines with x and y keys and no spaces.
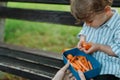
{"x":101,"y":28}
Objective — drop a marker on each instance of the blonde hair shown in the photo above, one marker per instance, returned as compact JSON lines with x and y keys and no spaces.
{"x":81,"y":9}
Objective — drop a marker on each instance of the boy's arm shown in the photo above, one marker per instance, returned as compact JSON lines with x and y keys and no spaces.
{"x":115,"y":44}
{"x":99,"y":47}
{"x":107,"y":50}
{"x":113,"y":48}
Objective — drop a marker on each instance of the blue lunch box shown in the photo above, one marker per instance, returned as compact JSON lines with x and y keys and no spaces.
{"x":88,"y":74}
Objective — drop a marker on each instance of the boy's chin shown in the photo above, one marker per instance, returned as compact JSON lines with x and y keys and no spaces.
{"x":95,"y":26}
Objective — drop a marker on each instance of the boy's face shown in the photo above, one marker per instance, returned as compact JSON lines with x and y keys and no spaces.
{"x":96,"y":20}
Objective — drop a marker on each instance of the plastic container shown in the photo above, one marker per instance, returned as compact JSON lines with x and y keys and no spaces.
{"x":88,"y":74}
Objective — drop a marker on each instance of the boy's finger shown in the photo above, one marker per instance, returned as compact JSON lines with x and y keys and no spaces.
{"x":89,"y":51}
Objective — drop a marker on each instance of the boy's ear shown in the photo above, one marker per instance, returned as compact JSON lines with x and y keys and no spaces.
{"x":107,"y":10}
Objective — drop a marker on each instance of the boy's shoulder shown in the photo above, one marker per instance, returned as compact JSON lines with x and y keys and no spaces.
{"x":116,"y":18}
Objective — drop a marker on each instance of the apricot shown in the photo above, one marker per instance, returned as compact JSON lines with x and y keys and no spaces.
{"x":86,"y":45}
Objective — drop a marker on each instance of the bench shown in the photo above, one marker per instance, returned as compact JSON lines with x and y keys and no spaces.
{"x":32,"y":63}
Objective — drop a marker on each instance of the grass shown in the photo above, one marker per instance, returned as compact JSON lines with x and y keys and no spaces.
{"x":50,"y":37}
{"x":53,"y":7}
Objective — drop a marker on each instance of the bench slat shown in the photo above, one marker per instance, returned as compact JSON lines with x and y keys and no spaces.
{"x":35,"y":59}
{"x":116,"y":3}
{"x":25,"y":69}
{"x":28,"y":63}
{"x":57,"y":17}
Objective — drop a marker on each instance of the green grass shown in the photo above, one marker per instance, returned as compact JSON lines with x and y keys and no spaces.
{"x":50,"y":37}
{"x":40,"y":6}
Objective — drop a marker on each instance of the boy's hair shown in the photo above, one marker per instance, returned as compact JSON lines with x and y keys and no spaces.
{"x":82,"y":9}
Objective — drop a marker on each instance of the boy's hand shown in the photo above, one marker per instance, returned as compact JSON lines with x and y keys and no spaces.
{"x":94,"y":47}
{"x":79,"y":45}
{"x":82,"y":39}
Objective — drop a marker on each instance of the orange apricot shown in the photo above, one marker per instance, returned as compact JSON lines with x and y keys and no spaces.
{"x":86,"y":45}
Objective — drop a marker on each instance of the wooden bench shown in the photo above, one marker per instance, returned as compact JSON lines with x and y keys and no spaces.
{"x":30,"y":63}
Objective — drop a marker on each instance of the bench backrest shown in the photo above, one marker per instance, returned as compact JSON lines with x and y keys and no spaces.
{"x":58,"y":17}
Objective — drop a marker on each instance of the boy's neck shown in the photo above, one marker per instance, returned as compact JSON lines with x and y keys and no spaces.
{"x":108,"y":17}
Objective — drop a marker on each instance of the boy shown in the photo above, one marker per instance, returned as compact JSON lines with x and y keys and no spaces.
{"x":101,"y":28}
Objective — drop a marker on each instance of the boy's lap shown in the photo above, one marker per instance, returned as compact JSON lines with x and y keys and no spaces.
{"x":106,"y":77}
